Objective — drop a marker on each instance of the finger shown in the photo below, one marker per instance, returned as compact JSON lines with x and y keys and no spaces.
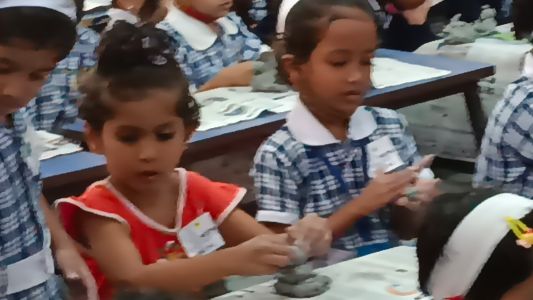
{"x":277,"y":261}
{"x":426,"y":161}
{"x":90,"y":285}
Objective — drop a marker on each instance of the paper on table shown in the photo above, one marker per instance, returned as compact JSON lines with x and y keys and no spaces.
{"x":56,"y":145}
{"x":387,"y":72}
{"x":90,"y":4}
{"x":388,"y":275}
{"x":225,"y":106}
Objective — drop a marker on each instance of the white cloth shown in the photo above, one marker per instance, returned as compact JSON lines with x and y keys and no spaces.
{"x":66,"y":7}
{"x":116,"y":14}
{"x":471,"y":244}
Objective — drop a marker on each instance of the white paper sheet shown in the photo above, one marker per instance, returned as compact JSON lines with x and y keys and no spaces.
{"x":56,"y":145}
{"x":375,"y":277}
{"x":90,"y":4}
{"x":225,"y":106}
{"x":387,"y":72}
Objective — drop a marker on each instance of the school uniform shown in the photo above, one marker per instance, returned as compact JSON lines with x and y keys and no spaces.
{"x":57,"y":102}
{"x":26,"y":263}
{"x":258,"y":11}
{"x":202,"y":53}
{"x":506,"y":157}
{"x":155,"y":242}
{"x":304,"y":169}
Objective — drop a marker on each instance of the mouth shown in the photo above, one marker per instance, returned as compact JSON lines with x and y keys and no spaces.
{"x":150,"y":175}
{"x":353,"y":95}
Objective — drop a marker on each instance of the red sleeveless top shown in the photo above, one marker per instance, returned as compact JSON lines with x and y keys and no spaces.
{"x":154,"y":241}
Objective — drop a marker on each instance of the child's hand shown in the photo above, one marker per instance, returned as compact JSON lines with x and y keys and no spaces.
{"x":313,"y":234}
{"x":417,"y":16}
{"x":262,"y":255}
{"x":384,"y":189}
{"x":76,"y":274}
{"x":425,"y":191}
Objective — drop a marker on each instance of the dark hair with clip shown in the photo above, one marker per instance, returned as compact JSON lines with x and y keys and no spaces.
{"x":522,"y":12}
{"x":134,"y":59}
{"x":305,"y":16}
{"x":43,"y":28}
{"x":508,"y":265}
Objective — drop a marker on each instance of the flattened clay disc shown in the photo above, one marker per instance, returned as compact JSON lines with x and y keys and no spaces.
{"x":308,"y":288}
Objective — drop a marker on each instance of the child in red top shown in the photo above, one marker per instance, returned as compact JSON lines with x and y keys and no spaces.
{"x":137,"y":227}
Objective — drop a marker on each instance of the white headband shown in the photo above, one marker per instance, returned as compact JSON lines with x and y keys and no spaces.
{"x":66,"y":7}
{"x":472,"y":243}
{"x":284,"y":9}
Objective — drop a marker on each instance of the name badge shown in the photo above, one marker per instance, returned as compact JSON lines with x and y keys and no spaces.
{"x":382,"y":155}
{"x":201,"y":236}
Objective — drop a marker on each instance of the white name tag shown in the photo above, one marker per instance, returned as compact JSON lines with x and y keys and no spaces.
{"x":382,"y":155}
{"x":201,"y":236}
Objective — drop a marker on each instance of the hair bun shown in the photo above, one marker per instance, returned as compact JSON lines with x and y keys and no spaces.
{"x":127,"y":46}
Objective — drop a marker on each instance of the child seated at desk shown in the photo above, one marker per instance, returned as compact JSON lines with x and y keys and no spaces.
{"x":132,"y":11}
{"x":214,"y":46}
{"x":137,"y":226}
{"x":34,"y":36}
{"x":57,"y":103}
{"x":506,"y":159}
{"x":477,"y":246}
{"x":334,"y":156}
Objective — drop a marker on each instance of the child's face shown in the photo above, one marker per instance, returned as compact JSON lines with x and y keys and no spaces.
{"x":23,"y":71}
{"x":213,"y":8}
{"x":336,"y":77}
{"x":144,"y":141}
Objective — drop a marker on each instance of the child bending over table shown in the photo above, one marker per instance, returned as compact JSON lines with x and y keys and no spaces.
{"x":137,"y":227}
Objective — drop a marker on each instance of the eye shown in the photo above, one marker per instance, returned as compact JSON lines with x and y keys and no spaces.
{"x":128,"y":138}
{"x":37,"y":76}
{"x":338,"y":63}
{"x":165,"y":136}
{"x":5,"y":70}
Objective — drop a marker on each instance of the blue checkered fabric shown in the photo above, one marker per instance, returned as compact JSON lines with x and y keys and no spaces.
{"x":259,"y":10}
{"x":56,"y":104}
{"x":22,"y":229}
{"x":506,"y":159}
{"x":200,"y":66}
{"x":290,"y":183}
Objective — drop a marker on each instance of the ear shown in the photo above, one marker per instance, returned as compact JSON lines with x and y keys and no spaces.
{"x":94,"y":140}
{"x":292,"y":69}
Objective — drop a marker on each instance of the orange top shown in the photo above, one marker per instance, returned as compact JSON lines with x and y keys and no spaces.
{"x":154,"y":241}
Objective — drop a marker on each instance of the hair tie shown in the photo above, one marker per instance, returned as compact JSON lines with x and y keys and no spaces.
{"x":523,"y":233}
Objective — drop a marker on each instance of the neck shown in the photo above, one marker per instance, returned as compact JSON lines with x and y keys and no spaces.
{"x":194,"y":13}
{"x":138,"y":197}
{"x":338,"y":126}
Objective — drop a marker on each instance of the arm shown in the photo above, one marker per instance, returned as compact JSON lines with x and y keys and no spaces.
{"x":240,"y":74}
{"x":240,"y":227}
{"x":60,"y":238}
{"x":111,"y":246}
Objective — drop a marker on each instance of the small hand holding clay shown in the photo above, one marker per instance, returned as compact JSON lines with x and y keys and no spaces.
{"x":298,"y":280}
{"x":312,"y":234}
{"x":424,"y":190}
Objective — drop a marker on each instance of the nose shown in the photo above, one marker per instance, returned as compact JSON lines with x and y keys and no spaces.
{"x":147,"y":150}
{"x":355,"y":75}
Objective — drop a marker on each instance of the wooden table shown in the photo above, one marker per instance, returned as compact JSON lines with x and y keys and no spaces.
{"x":463,"y":78}
{"x":373,"y":277}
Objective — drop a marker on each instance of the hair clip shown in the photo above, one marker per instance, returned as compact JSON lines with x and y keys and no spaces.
{"x":146,"y":42}
{"x":522,"y":232}
{"x":159,"y":60}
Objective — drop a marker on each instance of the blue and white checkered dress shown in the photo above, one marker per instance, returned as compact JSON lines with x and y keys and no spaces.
{"x":291,"y":181}
{"x":22,"y":229}
{"x":200,"y":66}
{"x":506,"y":159}
{"x":57,"y":102}
{"x":259,"y":10}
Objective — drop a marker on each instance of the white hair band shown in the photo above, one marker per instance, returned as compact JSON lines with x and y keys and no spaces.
{"x":284,"y":9}
{"x":66,"y":7}
{"x":471,"y":244}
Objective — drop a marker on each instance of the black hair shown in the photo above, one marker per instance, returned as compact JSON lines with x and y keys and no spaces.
{"x":522,"y":14}
{"x":132,"y":60}
{"x":79,"y":9}
{"x":42,"y":27}
{"x":508,"y":265}
{"x":305,"y":17}
{"x":242,"y":9}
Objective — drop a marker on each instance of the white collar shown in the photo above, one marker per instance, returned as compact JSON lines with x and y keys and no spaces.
{"x":308,"y":130}
{"x":195,"y":32}
{"x":116,"y":14}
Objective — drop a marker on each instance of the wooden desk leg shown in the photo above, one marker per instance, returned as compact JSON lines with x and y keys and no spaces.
{"x":478,"y":119}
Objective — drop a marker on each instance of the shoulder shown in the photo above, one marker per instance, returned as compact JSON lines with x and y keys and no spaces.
{"x":388,"y":119}
{"x":517,"y":101}
{"x":96,"y":198}
{"x":281,"y":146}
